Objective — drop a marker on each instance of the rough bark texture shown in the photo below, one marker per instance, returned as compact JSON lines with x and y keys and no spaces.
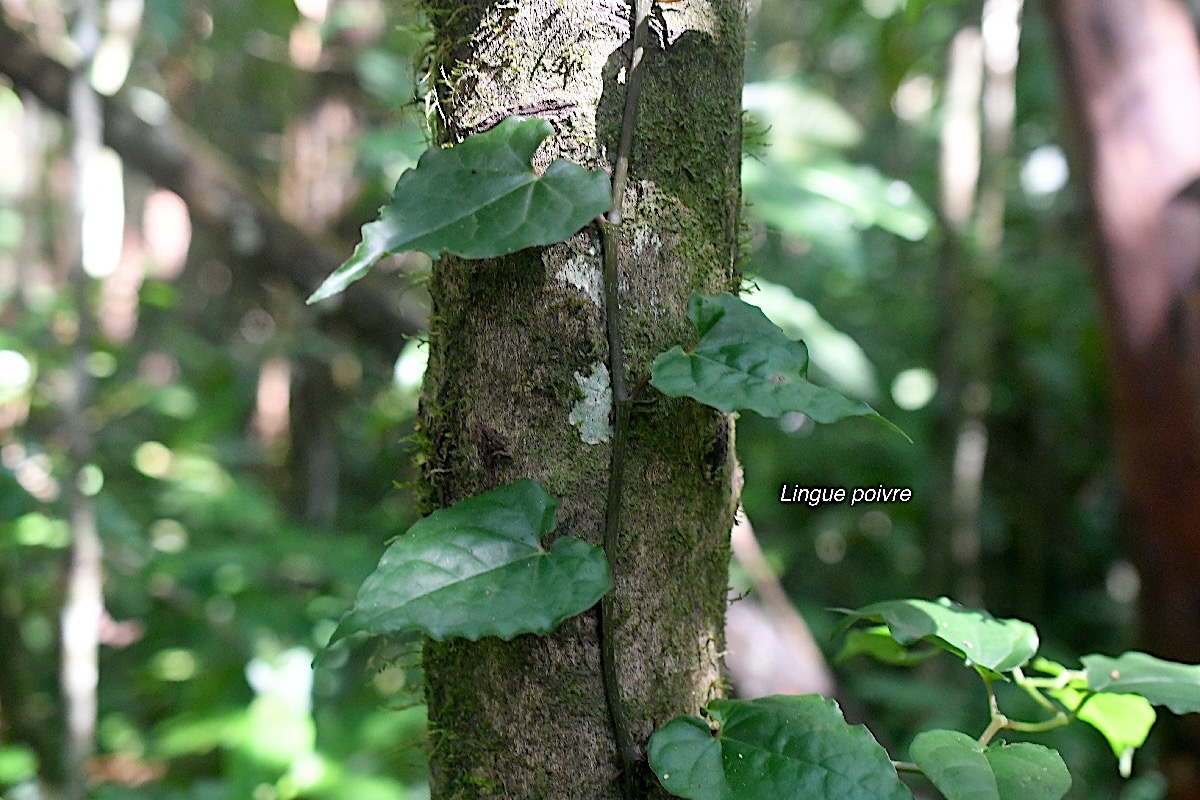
{"x":512,"y":341}
{"x":1131,"y":69}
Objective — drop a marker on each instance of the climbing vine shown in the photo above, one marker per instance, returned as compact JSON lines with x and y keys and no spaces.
{"x":478,"y":568}
{"x":610,"y":239}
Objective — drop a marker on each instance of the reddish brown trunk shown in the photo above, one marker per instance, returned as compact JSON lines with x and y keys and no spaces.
{"x":1131,"y":72}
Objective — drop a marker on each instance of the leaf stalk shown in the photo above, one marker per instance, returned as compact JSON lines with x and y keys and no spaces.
{"x":999,"y":721}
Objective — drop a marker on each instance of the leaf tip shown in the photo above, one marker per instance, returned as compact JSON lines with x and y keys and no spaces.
{"x":323,"y":292}
{"x":335,"y":284}
{"x":887,"y":423}
{"x":345,"y":629}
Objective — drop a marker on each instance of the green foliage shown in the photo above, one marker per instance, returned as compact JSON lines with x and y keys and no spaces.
{"x":479,"y":199}
{"x":1112,"y":695}
{"x":878,"y":643}
{"x":209,"y":558}
{"x":478,"y":569}
{"x":17,"y":764}
{"x":764,"y":748}
{"x":805,"y":188}
{"x":742,"y":361}
{"x":830,"y":203}
{"x":963,"y":769}
{"x":772,"y":747}
{"x":1124,"y":720}
{"x":204,"y":562}
{"x":1163,"y":683}
{"x":975,"y":636}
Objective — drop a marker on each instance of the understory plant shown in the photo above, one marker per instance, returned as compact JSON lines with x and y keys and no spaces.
{"x":480,"y":567}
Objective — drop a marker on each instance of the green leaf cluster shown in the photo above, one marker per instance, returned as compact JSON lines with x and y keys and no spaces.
{"x":802,"y":747}
{"x":478,"y":568}
{"x":975,"y":636}
{"x":963,"y":769}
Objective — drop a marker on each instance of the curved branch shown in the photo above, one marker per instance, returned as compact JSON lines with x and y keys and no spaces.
{"x":217,"y":196}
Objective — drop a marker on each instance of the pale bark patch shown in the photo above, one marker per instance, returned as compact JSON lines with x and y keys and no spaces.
{"x":583,"y":273}
{"x":591,"y":413}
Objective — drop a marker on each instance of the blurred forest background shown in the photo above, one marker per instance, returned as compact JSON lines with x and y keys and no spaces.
{"x":231,"y":462}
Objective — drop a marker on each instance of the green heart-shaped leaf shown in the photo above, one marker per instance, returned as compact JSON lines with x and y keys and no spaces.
{"x":478,"y":569}
{"x":955,"y":764}
{"x":1163,"y":683}
{"x":479,"y":199}
{"x":770,"y":748}
{"x":1027,"y":771}
{"x":963,"y":769}
{"x":743,"y":361}
{"x":1124,"y":720}
{"x":981,"y":640}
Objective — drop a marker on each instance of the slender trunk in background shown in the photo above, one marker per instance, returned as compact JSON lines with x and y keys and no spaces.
{"x":517,"y":344}
{"x":316,"y":183}
{"x":1000,"y":30}
{"x":1131,"y":70}
{"x":83,"y":604}
{"x":955,"y":544}
{"x":976,"y":145}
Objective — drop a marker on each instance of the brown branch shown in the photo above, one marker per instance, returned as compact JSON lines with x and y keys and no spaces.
{"x":781,"y":638}
{"x":218,"y":197}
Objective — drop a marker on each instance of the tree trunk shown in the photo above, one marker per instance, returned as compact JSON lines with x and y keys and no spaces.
{"x":1132,"y":70}
{"x":518,"y":376}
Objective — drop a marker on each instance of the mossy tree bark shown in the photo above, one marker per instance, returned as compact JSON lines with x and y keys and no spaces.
{"x":518,"y":383}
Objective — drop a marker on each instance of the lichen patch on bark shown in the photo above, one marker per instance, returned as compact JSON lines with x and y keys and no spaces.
{"x":583,"y":272}
{"x":591,"y":414}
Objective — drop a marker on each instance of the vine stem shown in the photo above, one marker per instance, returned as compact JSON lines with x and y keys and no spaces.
{"x":1033,"y":691}
{"x":1000,"y":721}
{"x":610,"y":236}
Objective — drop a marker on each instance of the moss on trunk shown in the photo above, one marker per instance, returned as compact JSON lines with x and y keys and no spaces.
{"x":516,"y":344}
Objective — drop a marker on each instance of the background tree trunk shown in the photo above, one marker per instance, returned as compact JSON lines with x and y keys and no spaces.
{"x":514,"y":344}
{"x":1131,"y":68}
